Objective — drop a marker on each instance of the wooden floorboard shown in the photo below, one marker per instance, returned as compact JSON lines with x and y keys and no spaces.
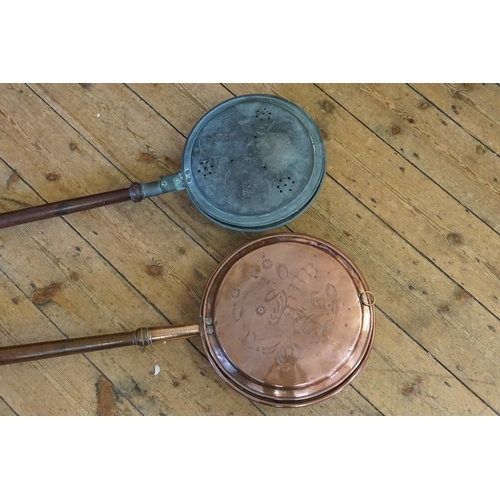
{"x":414,"y":202}
{"x":5,"y":409}
{"x":475,"y":107}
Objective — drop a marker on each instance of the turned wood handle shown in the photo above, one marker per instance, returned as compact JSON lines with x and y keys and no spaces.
{"x":55,"y":348}
{"x":70,"y":206}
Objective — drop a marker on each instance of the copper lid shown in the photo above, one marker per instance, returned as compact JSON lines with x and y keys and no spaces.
{"x":286,"y":320}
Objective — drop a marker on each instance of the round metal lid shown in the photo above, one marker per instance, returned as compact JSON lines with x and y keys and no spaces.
{"x":285,"y":320}
{"x":254,"y":162}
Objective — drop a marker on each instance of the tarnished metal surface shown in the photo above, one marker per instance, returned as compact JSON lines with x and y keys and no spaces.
{"x":288,"y":326}
{"x":166,"y":184}
{"x":254,"y":162}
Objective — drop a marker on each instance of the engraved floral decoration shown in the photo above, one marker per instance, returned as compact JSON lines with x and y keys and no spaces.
{"x":235,"y":293}
{"x":267,"y":263}
{"x":219,"y":136}
{"x":248,"y":159}
{"x":218,"y":140}
{"x":223,"y":161}
{"x":262,"y":129}
{"x":210,"y":189}
{"x":260,"y":310}
{"x":247,"y":190}
{"x":290,"y":321}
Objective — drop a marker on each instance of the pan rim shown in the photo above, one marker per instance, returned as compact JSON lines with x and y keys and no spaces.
{"x":223,"y":369}
{"x":285,"y":213}
{"x":258,"y":229}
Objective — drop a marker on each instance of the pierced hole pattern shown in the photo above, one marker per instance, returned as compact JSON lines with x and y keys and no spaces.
{"x":263,"y":114}
{"x":285,"y":184}
{"x":205,"y":168}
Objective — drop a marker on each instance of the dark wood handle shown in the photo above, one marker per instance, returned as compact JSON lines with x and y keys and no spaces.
{"x":70,"y":206}
{"x":55,"y":348}
{"x":42,"y":350}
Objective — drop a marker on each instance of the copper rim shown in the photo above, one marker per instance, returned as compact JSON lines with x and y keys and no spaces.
{"x":283,"y":321}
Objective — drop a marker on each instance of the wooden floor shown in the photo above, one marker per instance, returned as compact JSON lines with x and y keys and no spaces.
{"x":412,"y":195}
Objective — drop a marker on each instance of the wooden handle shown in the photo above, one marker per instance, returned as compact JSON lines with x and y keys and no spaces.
{"x":52,"y":349}
{"x":70,"y":206}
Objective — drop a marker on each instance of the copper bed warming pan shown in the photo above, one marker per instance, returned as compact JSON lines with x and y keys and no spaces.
{"x":286,"y":320}
{"x":252,"y":163}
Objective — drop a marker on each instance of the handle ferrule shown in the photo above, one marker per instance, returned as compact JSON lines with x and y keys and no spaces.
{"x":166,"y":184}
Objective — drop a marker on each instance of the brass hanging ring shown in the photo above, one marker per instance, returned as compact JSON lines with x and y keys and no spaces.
{"x":363,"y":298}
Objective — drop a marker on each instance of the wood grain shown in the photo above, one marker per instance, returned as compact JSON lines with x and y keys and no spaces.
{"x":6,"y":410}
{"x":60,"y":388}
{"x":428,"y":139}
{"x":402,"y":378}
{"x":410,"y":288}
{"x":90,"y":297}
{"x":144,"y":146}
{"x":460,"y":244}
{"x":474,"y":106}
{"x":436,"y":346}
{"x":221,"y":241}
{"x":105,"y":398}
{"x":141,"y":261}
